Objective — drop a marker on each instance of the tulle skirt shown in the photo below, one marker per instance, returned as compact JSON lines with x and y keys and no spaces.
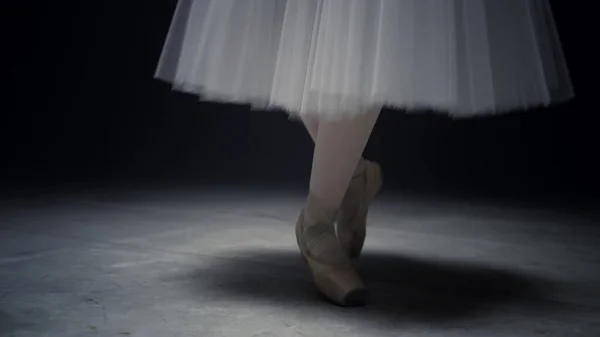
{"x":338,"y":58}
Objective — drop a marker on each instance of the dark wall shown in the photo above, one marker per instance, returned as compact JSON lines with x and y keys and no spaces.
{"x":82,"y":106}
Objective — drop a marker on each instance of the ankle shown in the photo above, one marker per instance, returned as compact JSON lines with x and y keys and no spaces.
{"x":360,"y":168}
{"x":317,"y":211}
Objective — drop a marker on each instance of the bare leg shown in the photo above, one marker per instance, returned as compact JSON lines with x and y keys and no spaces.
{"x":338,"y":150}
{"x":311,"y":124}
{"x":352,"y":218}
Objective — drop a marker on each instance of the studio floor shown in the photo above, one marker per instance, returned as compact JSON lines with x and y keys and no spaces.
{"x":162,"y":262}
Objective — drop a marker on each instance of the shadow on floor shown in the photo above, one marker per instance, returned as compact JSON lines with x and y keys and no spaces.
{"x":401,"y":287}
{"x":8,"y":325}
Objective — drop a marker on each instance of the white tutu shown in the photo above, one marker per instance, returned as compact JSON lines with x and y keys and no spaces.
{"x":340,"y":57}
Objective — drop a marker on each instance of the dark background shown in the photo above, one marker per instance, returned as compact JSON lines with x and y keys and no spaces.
{"x":81,"y":109}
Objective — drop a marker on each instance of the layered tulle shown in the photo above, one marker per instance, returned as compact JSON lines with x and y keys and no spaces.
{"x":340,"y":57}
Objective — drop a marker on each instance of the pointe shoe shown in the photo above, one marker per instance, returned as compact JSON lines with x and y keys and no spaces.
{"x":331,"y":269}
{"x":352,"y":219}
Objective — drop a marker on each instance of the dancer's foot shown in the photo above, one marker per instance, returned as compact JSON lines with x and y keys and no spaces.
{"x":352,"y":218}
{"x":331,"y":269}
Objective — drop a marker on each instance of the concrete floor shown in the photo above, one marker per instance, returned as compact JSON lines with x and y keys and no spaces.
{"x":172,"y":262}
